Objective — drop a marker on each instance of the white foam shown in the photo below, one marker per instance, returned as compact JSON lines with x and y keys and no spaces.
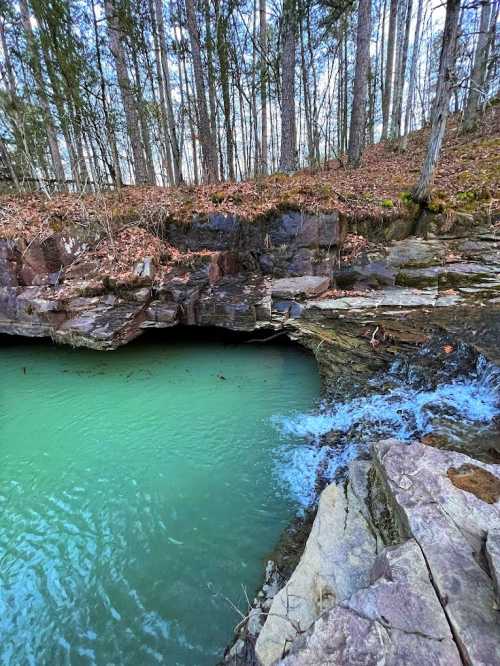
{"x":402,"y":412}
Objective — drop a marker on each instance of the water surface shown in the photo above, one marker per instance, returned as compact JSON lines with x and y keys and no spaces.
{"x":138,"y":490}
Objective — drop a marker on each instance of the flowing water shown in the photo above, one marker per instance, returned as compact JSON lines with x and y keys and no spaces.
{"x":138,"y":490}
{"x":456,"y":403}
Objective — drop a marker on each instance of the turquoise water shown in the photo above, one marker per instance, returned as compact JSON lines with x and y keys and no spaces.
{"x":138,"y":490}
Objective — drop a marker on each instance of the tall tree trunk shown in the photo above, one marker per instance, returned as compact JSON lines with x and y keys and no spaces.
{"x":263,"y":86}
{"x":397,"y":111}
{"x":358,"y":111}
{"x":478,"y":75}
{"x":389,"y":68}
{"x":413,"y":75}
{"x":143,"y":119}
{"x":207,"y":140}
{"x":421,"y":192}
{"x":116,"y":38}
{"x":223,"y":55}
{"x":492,"y":50}
{"x":115,"y":171}
{"x":172,"y":129}
{"x":288,"y":153}
{"x":34,"y":59}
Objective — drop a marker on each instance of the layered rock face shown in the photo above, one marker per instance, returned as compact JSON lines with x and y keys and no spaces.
{"x":401,"y":568}
{"x":245,"y":276}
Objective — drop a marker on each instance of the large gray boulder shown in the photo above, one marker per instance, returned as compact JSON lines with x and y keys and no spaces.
{"x":450,"y":525}
{"x":337,"y":560}
{"x":395,"y":621}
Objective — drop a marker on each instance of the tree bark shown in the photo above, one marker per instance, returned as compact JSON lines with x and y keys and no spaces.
{"x":42,"y":95}
{"x":358,"y":111}
{"x":478,"y":74}
{"x":397,"y":111}
{"x":389,"y":68}
{"x":263,"y":86}
{"x":288,"y":152}
{"x":116,"y":38}
{"x":172,"y":129}
{"x":207,"y":140}
{"x":413,"y":74}
{"x":421,"y":192}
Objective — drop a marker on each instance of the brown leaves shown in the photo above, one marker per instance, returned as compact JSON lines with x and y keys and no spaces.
{"x":467,"y":176}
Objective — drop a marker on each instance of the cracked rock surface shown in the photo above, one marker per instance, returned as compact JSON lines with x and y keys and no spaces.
{"x":357,"y":597}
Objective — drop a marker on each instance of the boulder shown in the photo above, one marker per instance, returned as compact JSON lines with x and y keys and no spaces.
{"x":450,"y":525}
{"x":337,"y":560}
{"x":297,"y":287}
{"x":397,"y":620}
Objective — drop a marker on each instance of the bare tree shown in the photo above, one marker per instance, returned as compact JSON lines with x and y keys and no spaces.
{"x":35,"y":62}
{"x":413,"y":74}
{"x":389,"y":68}
{"x":421,"y":191}
{"x":358,"y":110}
{"x":263,"y":85}
{"x":116,"y":42}
{"x":288,"y":153}
{"x":478,"y":75}
{"x":207,"y":140}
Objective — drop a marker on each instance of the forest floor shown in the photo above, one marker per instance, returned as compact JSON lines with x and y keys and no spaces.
{"x":467,"y":181}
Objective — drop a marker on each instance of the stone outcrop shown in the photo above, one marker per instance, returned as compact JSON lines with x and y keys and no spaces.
{"x":426,"y":589}
{"x":267,"y":274}
{"x":337,"y":560}
{"x":395,"y":620}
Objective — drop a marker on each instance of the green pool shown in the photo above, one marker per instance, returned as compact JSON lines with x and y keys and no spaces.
{"x":138,"y":490}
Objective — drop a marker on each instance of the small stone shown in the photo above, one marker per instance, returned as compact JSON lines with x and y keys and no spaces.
{"x":304,"y":286}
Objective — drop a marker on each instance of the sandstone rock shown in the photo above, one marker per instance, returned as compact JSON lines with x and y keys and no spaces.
{"x":493,"y":557}
{"x":415,"y":253}
{"x":296,"y":287}
{"x":390,"y":297}
{"x":337,"y":560}
{"x":395,"y":621}
{"x":450,"y":526}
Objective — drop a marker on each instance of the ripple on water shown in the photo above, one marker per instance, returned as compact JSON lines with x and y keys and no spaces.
{"x":135,"y":497}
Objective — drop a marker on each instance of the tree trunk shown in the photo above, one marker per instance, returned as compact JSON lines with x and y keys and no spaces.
{"x":223,"y":55}
{"x":358,"y":112}
{"x":389,"y":68}
{"x":263,"y":86}
{"x":288,"y":152}
{"x":421,"y":193}
{"x":413,"y":75}
{"x":478,"y":74}
{"x":397,"y":111}
{"x":207,"y":140}
{"x":116,"y":38}
{"x":34,"y":58}
{"x":172,"y":129}
{"x":115,"y":171}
